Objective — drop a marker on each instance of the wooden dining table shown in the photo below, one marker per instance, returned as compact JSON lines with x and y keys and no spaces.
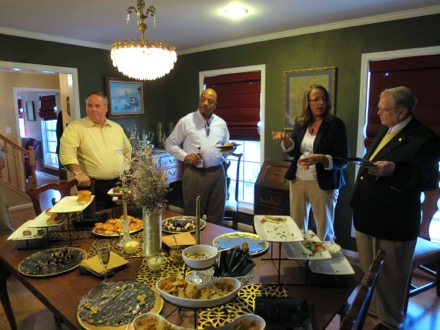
{"x":61,"y":294}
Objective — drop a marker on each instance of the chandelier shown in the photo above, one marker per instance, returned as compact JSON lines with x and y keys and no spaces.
{"x":143,"y":59}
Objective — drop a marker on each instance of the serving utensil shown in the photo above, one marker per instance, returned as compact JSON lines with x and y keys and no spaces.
{"x":134,"y":312}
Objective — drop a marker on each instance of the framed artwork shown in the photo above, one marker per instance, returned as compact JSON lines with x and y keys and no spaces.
{"x":30,"y":111}
{"x":125,"y":96}
{"x":296,"y":82}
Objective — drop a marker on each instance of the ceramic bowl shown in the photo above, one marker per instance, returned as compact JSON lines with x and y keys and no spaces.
{"x":201,"y":303}
{"x":200,"y":256}
{"x":153,"y":321}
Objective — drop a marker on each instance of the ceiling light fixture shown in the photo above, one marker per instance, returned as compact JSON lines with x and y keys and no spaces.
{"x":236,"y":11}
{"x":143,"y":59}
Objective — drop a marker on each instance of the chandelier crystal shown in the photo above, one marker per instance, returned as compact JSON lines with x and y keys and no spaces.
{"x":143,"y":59}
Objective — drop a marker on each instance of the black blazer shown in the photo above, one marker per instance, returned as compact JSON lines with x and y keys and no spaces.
{"x":331,"y":139}
{"x":389,"y":207}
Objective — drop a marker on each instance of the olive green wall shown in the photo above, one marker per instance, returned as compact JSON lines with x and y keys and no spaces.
{"x":170,"y":98}
{"x":93,"y":66}
{"x":342,"y":48}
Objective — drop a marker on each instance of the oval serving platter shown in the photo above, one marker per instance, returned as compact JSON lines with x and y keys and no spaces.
{"x":230,"y":240}
{"x":181,"y":224}
{"x":52,"y":262}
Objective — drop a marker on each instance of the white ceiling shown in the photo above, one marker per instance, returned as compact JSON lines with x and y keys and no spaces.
{"x":195,"y":25}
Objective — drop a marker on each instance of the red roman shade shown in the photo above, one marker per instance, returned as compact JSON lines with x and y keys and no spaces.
{"x":238,"y":97}
{"x":421,"y":74}
{"x":48,"y":107}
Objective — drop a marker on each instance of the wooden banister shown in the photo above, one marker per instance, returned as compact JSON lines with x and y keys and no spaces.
{"x":14,"y":172}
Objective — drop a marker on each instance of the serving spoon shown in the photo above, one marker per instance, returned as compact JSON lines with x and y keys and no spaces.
{"x":134,"y":312}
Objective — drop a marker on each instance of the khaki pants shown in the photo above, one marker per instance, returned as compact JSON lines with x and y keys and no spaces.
{"x":306,"y":194}
{"x":392,"y":284}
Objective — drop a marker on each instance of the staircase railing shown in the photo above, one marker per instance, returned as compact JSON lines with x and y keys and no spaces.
{"x":14,"y":172}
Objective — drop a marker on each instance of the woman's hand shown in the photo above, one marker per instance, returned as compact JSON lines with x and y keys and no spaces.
{"x":313,"y":159}
{"x":287,"y":142}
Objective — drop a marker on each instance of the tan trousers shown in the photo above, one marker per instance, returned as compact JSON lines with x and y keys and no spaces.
{"x":392,"y":284}
{"x":306,"y":194}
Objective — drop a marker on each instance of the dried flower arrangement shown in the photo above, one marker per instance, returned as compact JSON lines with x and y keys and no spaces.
{"x":146,"y":183}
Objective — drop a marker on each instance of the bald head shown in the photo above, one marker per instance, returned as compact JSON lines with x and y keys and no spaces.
{"x":207,"y":102}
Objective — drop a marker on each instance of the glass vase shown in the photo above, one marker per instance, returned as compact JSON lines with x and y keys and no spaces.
{"x":152,"y":231}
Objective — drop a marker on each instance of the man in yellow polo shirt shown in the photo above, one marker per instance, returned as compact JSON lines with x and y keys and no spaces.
{"x":96,"y":147}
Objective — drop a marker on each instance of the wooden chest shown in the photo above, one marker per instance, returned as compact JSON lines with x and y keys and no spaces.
{"x":272,"y":189}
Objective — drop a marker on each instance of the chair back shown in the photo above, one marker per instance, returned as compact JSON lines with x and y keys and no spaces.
{"x":62,"y":186}
{"x":226,"y":165}
{"x":357,"y":313}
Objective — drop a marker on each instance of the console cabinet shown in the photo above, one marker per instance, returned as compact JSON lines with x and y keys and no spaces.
{"x":272,"y":189}
{"x":174,"y":166}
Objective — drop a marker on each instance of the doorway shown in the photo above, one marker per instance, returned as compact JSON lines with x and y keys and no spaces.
{"x":66,"y":90}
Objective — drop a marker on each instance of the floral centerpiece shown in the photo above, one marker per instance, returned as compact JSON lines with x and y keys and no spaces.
{"x":148,"y":185}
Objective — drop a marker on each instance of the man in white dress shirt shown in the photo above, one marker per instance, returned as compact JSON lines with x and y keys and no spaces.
{"x":203,"y":176}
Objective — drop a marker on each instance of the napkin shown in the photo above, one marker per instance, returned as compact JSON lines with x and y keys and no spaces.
{"x":94,"y":265}
{"x":182,"y":239}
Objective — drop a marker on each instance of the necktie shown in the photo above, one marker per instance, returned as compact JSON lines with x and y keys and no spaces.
{"x":387,"y":138}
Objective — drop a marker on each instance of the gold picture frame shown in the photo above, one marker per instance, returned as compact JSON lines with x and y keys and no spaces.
{"x":296,"y":82}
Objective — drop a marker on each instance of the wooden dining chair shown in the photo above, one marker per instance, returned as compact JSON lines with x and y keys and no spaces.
{"x":62,"y":186}
{"x":357,"y":311}
{"x":231,"y":205}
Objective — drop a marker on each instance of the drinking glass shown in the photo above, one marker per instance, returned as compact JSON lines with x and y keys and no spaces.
{"x":104,"y":256}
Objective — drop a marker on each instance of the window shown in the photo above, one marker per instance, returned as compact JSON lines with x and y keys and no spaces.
{"x":239,"y":104}
{"x":249,"y":170}
{"x":48,"y":130}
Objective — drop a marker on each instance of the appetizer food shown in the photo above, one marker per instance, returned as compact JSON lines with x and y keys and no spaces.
{"x":27,"y":232}
{"x":181,"y":224}
{"x":270,"y":218}
{"x":84,"y":197}
{"x":179,"y":287}
{"x":55,"y":218}
{"x":114,"y":226}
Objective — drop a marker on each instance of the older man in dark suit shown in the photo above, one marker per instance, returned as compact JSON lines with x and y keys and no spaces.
{"x":386,"y":199}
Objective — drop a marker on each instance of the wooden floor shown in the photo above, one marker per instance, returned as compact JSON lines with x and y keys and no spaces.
{"x":423,"y":311}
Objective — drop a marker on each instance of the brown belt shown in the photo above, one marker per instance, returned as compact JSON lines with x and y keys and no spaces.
{"x":205,"y":169}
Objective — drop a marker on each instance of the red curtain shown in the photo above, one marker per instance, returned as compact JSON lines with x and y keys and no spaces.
{"x":238,"y":97}
{"x":421,"y":74}
{"x":47,"y":107}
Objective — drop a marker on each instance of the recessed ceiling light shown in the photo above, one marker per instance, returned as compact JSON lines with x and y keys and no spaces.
{"x":236,"y":11}
{"x":15,"y":69}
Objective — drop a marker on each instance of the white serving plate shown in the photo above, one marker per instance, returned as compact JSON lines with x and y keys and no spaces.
{"x":283,"y":231}
{"x":338,"y":265}
{"x":112,"y":193}
{"x":296,"y":250}
{"x":18,"y":234}
{"x":201,"y":303}
{"x":40,"y":220}
{"x":69,"y":204}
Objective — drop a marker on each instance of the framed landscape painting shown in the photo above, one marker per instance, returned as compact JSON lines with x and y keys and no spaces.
{"x":296,"y":82}
{"x":125,"y":96}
